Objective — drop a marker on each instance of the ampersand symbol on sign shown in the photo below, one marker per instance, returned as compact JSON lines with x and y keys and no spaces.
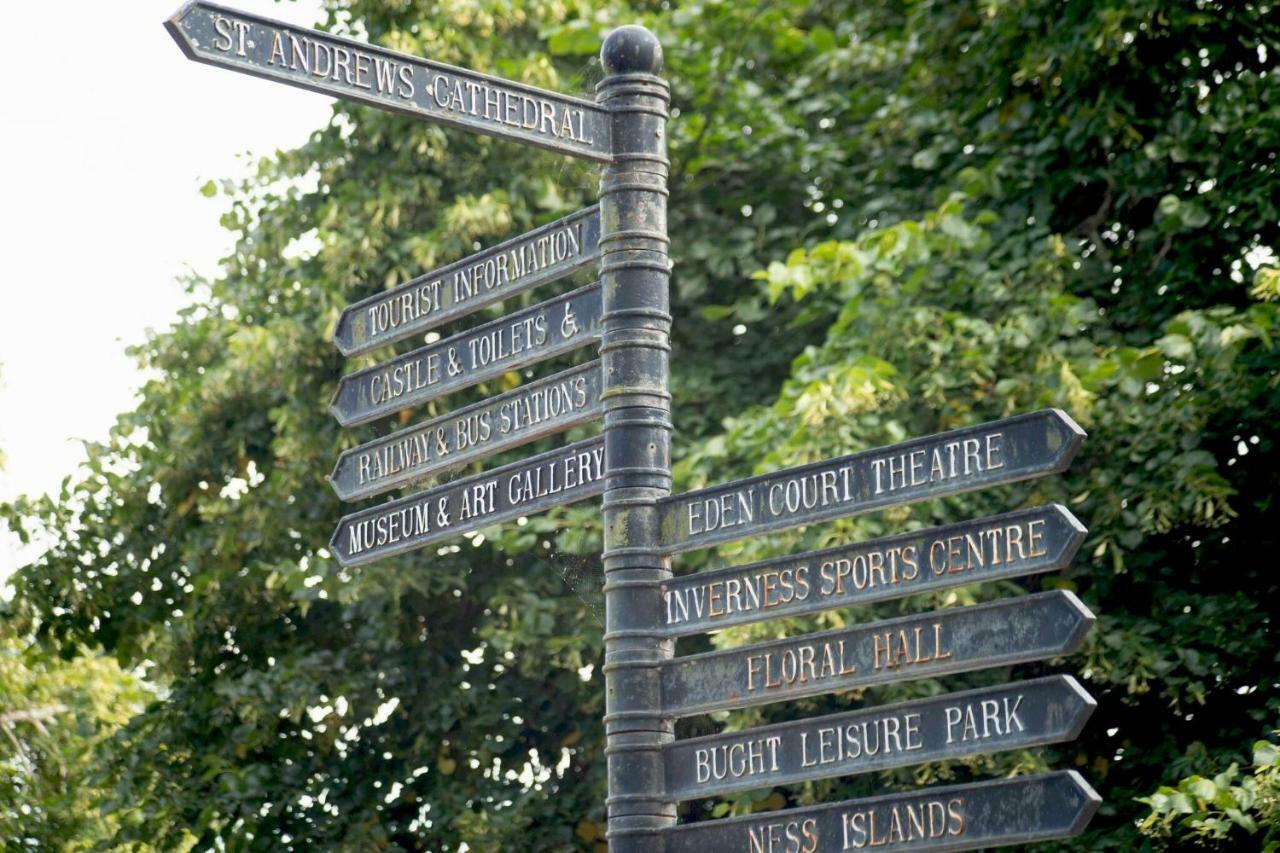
{"x":442,"y":513}
{"x":569,"y":325}
{"x":442,"y":446}
{"x":455,"y":366}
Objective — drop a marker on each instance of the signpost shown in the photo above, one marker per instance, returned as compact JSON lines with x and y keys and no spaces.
{"x":543,"y":255}
{"x":1013,"y":544}
{"x":539,"y":332}
{"x":368,"y":74}
{"x":562,"y":476}
{"x":646,"y":609}
{"x":541,"y":408}
{"x":1012,"y":630}
{"x":954,"y":725}
{"x":957,"y":817}
{"x":950,"y":463}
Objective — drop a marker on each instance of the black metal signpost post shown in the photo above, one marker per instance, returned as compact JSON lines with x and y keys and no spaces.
{"x":635,"y":270}
{"x":646,"y":608}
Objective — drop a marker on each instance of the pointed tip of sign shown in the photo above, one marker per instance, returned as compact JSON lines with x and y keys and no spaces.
{"x":1077,"y":527}
{"x":1090,"y":800}
{"x":335,"y":410}
{"x":1085,"y":619}
{"x":1074,"y":439}
{"x":173,"y":24}
{"x":344,"y":346}
{"x":1069,"y":422}
{"x":1087,"y":704}
{"x":1072,"y":544}
{"x":343,"y":559}
{"x":335,"y":480}
{"x":342,"y":338}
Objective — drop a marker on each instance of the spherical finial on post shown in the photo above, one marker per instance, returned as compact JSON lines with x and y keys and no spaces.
{"x":631,"y":50}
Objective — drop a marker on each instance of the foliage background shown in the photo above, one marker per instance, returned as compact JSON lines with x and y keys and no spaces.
{"x":888,"y":219}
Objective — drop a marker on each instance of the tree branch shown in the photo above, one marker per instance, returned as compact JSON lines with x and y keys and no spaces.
{"x":32,"y":715}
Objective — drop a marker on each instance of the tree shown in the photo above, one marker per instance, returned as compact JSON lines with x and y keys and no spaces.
{"x":57,"y":717}
{"x":887,"y":221}
{"x":1230,"y":809}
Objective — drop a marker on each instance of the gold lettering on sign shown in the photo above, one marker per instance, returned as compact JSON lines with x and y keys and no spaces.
{"x":510,"y":340}
{"x":474,"y":429}
{"x":391,"y":383}
{"x":906,"y":823}
{"x":551,"y":478}
{"x":966,"y":457}
{"x":480,"y":99}
{"x":725,"y":511}
{"x":983,"y":720}
{"x":392,"y":458}
{"x":784,"y":836}
{"x":403,"y":308}
{"x":230,"y":33}
{"x":316,"y":59}
{"x":760,"y":591}
{"x":744,"y":758}
{"x":477,"y":501}
{"x":529,"y":410}
{"x":810,"y":491}
{"x":888,"y":735}
{"x":989,"y":546}
{"x":880,"y":567}
{"x":526,"y":258}
{"x":801,"y":665}
{"x":390,"y":528}
{"x":905,"y":647}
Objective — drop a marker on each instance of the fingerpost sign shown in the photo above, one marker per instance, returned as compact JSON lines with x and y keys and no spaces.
{"x":627,"y":313}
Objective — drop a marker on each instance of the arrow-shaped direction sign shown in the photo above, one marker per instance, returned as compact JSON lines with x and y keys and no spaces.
{"x":991,"y":454}
{"x":956,"y":817}
{"x":1013,"y":544}
{"x":561,"y":476}
{"x":544,"y":407}
{"x":525,"y":337}
{"x":348,"y":69}
{"x":1009,"y":631}
{"x":522,"y":263}
{"x":955,"y":725}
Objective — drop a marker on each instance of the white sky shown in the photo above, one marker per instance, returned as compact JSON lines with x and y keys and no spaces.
{"x":103,"y":147}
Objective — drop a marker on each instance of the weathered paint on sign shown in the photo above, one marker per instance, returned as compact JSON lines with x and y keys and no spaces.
{"x":1013,"y":544}
{"x":925,"y":645}
{"x":536,"y":333}
{"x":541,"y":256}
{"x":345,"y":68}
{"x":955,"y":817}
{"x":973,"y":722}
{"x":991,"y":454}
{"x":527,"y":487}
{"x":541,"y":408}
